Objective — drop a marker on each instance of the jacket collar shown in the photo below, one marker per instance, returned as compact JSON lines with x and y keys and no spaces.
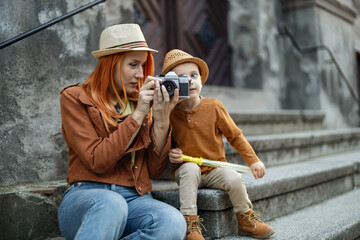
{"x":83,"y":97}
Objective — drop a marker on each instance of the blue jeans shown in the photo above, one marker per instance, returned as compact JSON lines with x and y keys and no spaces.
{"x":96,"y":211}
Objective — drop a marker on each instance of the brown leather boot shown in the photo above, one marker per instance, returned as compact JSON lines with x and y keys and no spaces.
{"x":249,"y":224}
{"x":194,"y":224}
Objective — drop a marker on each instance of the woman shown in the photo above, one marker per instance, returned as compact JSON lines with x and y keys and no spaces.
{"x":116,"y":126}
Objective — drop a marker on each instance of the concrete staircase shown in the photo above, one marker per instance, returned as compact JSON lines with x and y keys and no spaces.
{"x":308,"y":192}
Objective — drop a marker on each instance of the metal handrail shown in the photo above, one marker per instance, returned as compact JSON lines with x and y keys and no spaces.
{"x":283,"y":30}
{"x":48,"y":24}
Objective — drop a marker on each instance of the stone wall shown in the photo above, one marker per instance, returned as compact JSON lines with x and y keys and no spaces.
{"x":329,"y":23}
{"x":33,"y":72}
{"x":256,"y":57}
{"x":266,"y":61}
{"x":336,"y":30}
{"x":357,"y":26}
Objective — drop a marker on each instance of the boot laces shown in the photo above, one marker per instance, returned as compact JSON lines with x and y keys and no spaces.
{"x":252,"y":218}
{"x":195,"y":225}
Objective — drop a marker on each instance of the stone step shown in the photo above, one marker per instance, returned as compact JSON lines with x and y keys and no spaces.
{"x":29,"y":211}
{"x":256,"y":122}
{"x":285,"y":148}
{"x":336,"y":218}
{"x":258,"y":112}
{"x":242,"y":98}
{"x":283,"y":190}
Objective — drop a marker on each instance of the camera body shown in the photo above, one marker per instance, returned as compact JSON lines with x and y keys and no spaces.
{"x":171,"y":81}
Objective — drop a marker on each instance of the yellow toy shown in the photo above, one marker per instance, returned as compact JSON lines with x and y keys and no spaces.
{"x":217,"y":164}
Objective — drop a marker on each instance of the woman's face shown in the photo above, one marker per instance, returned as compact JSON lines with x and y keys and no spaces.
{"x":131,"y":71}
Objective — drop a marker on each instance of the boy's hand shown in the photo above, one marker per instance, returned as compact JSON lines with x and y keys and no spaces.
{"x":258,"y":169}
{"x":175,"y":155}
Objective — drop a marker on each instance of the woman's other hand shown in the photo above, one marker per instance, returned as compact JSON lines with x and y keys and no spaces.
{"x":163,"y":104}
{"x":146,"y":96}
{"x":161,"y":109}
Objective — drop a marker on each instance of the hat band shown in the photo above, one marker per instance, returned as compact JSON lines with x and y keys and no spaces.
{"x":131,"y":45}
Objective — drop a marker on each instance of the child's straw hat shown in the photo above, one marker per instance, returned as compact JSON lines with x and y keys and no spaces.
{"x":176,"y":56}
{"x":121,"y":38}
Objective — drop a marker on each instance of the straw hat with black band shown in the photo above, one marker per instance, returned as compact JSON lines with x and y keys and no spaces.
{"x":121,"y":38}
{"x":176,"y":56}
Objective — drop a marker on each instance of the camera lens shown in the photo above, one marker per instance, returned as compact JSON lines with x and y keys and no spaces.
{"x":169,"y":86}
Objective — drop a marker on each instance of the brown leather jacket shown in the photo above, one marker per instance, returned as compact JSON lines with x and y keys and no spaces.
{"x":95,"y":155}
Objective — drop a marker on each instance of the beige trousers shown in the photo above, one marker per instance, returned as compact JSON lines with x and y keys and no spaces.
{"x":189,"y":179}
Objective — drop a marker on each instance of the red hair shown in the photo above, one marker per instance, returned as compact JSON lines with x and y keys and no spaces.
{"x":100,"y":86}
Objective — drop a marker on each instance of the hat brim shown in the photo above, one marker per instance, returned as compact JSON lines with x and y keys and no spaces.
{"x":105,"y":52}
{"x":204,"y":70}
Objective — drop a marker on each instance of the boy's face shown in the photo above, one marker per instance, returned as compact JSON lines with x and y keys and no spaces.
{"x":192,"y":71}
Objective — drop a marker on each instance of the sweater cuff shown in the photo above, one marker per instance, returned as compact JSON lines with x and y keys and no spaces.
{"x":142,"y":134}
{"x":252,"y":161}
{"x":167,"y":146}
{"x":131,"y":123}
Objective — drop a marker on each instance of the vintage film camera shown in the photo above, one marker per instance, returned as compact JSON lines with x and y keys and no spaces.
{"x":171,"y":81}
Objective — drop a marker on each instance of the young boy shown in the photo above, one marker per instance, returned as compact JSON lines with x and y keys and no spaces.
{"x":198,"y":126}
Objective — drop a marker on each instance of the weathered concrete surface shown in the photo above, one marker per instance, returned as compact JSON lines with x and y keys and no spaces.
{"x":277,"y":149}
{"x":280,"y":121}
{"x":30,"y":211}
{"x":283,"y":190}
{"x":329,"y":23}
{"x":255,"y":60}
{"x":223,"y":223}
{"x":321,"y":224}
{"x":338,"y":35}
{"x":265,"y":62}
{"x":322,"y":221}
{"x":32,"y":73}
{"x":241,"y":98}
{"x":290,"y":177}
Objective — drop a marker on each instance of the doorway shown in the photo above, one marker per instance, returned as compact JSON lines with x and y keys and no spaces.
{"x":197,"y":27}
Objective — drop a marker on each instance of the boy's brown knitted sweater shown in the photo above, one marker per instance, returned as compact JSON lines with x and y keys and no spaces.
{"x":199,"y":133}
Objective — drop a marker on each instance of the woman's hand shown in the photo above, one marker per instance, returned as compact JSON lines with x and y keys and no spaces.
{"x":146,"y":95}
{"x":258,"y":169}
{"x":175,"y":155}
{"x":163,"y":104}
{"x":161,"y":109}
